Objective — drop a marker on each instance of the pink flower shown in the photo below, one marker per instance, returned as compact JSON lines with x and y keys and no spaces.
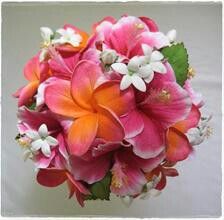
{"x":35,"y":72}
{"x":163,"y":104}
{"x":94,"y":104}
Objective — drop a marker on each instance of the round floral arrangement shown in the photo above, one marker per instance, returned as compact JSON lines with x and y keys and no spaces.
{"x":109,"y":112}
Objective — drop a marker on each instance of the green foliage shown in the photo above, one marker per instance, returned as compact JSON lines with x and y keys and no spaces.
{"x":178,"y":58}
{"x":32,"y":106}
{"x":101,"y":189}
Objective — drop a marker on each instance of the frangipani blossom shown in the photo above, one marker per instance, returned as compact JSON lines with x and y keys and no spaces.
{"x":94,"y":107}
{"x":41,"y":140}
{"x":35,"y":72}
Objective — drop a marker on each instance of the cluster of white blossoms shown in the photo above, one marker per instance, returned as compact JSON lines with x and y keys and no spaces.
{"x":140,"y":69}
{"x":67,"y":35}
{"x":39,"y":141}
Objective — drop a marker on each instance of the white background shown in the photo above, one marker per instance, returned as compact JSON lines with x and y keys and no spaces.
{"x":196,"y":192}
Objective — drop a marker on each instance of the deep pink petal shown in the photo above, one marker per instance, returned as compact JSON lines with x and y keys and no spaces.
{"x":167,"y":103}
{"x":133,"y":124}
{"x":35,"y":119}
{"x":127,"y":179}
{"x":150,"y":24}
{"x":150,"y":142}
{"x":42,"y":161}
{"x":90,"y":171}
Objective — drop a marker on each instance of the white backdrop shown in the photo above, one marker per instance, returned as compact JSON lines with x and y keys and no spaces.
{"x":196,"y":192}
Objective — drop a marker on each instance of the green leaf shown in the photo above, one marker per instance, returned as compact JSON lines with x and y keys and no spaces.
{"x":101,"y":189}
{"x":32,"y":106}
{"x":178,"y":58}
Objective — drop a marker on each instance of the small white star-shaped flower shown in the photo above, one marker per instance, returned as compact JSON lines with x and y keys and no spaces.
{"x":131,"y":74}
{"x":46,"y":34}
{"x":41,"y":140}
{"x":68,"y":35}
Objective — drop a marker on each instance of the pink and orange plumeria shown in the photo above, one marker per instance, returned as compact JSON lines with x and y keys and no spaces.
{"x":109,"y":112}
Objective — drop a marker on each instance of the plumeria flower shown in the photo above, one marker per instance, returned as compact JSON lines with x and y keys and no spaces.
{"x":47,"y":35}
{"x":68,"y":35}
{"x":41,"y":140}
{"x":132,"y":73}
{"x":172,"y":35}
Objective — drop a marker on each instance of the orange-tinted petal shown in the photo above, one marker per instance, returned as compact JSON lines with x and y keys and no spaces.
{"x":110,"y":96}
{"x":31,"y":69}
{"x":59,"y":100}
{"x":84,"y":79}
{"x":82,"y":133}
{"x":178,"y":146}
{"x":191,"y":121}
{"x":109,"y":127}
{"x":27,"y":93}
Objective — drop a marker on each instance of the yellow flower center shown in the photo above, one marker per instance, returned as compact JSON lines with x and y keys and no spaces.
{"x":139,"y":26}
{"x":164,"y":96}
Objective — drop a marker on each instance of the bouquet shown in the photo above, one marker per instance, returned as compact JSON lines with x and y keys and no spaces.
{"x":112,"y":112}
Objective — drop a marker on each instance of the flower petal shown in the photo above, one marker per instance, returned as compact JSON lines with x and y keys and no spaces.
{"x":145,"y":71}
{"x":156,"y":56}
{"x":147,"y":50}
{"x":158,"y":67}
{"x":82,"y":133}
{"x":111,"y":97}
{"x":167,"y":102}
{"x":150,"y":142}
{"x":191,"y":121}
{"x":178,"y":147}
{"x":59,"y":100}
{"x":51,"y":141}
{"x":125,"y":82}
{"x":84,"y":80}
{"x":138,"y":83}
{"x":120,"y":68}
{"x":32,"y":70}
{"x":90,"y":171}
{"x":108,"y":122}
{"x":46,"y":150}
{"x":36,"y":145}
{"x":51,"y":177}
{"x":27,"y":93}
{"x":32,"y":134}
{"x":134,"y":64}
{"x":133,"y":124}
{"x":43,"y":131}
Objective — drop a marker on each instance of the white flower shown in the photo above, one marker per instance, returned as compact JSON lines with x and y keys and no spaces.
{"x":46,"y":34}
{"x":153,"y":60}
{"x":197,"y":135}
{"x":41,"y":140}
{"x":68,"y":35}
{"x":131,"y":74}
{"x":172,"y":35}
{"x":127,"y":200}
{"x":140,"y":69}
{"x":150,"y":188}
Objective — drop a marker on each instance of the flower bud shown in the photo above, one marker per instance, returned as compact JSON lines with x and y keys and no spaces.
{"x":108,"y":56}
{"x":172,"y":34}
